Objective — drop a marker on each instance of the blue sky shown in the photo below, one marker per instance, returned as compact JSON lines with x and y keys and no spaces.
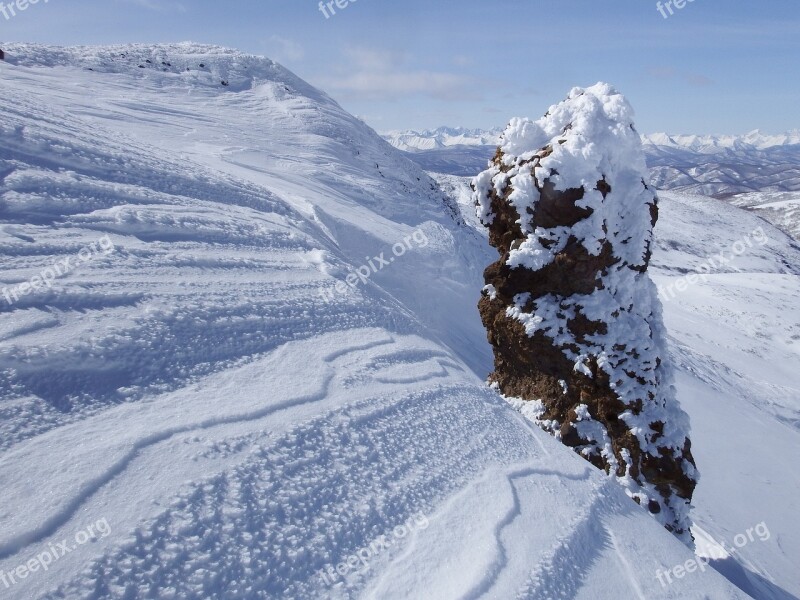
{"x":714,"y":66}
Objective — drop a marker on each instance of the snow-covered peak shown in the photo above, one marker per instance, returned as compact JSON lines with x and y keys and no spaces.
{"x":185,"y":63}
{"x":445,"y":137}
{"x":709,"y":144}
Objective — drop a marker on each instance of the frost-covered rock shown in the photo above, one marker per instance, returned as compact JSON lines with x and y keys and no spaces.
{"x":570,"y":310}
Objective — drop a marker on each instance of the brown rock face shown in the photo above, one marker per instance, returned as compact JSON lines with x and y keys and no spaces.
{"x":569,"y":309}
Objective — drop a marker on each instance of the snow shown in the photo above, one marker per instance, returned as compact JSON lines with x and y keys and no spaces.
{"x":725,"y":165}
{"x":735,"y":341}
{"x":442,"y":137}
{"x":718,"y":166}
{"x":782,"y":209}
{"x":717,"y":143}
{"x":238,"y":433}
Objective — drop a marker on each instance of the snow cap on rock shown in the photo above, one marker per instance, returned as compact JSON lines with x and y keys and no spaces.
{"x":574,"y":318}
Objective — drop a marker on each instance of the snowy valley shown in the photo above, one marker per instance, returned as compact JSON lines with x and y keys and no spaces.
{"x":239,"y":341}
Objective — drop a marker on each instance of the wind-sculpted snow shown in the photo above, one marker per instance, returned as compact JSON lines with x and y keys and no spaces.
{"x":277,"y":519}
{"x":193,"y":387}
{"x":299,"y":473}
{"x":176,"y":226}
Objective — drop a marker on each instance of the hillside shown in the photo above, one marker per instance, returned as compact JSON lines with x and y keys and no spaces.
{"x":782,"y":209}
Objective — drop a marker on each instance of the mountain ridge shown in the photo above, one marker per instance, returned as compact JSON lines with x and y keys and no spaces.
{"x":444,"y":136}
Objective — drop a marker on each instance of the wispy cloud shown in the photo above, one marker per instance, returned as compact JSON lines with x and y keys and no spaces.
{"x":283,"y":49}
{"x":374,"y":74}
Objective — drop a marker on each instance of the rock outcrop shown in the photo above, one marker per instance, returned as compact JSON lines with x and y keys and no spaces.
{"x":569,"y":308}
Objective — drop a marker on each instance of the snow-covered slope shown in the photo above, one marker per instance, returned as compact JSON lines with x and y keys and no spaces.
{"x":730,"y":284}
{"x":209,"y":385}
{"x":782,"y":209}
{"x":726,"y":171}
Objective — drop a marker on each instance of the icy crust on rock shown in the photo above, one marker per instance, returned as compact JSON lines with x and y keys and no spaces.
{"x":588,"y":138}
{"x":588,"y":145}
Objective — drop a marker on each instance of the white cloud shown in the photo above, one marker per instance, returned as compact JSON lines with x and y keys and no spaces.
{"x":373,"y":59}
{"x":373,"y":74}
{"x":384,"y":86}
{"x":283,"y":49}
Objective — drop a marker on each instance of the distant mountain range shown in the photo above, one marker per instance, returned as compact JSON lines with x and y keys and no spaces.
{"x":445,"y":137}
{"x":710,"y":144}
{"x":722,"y":166}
